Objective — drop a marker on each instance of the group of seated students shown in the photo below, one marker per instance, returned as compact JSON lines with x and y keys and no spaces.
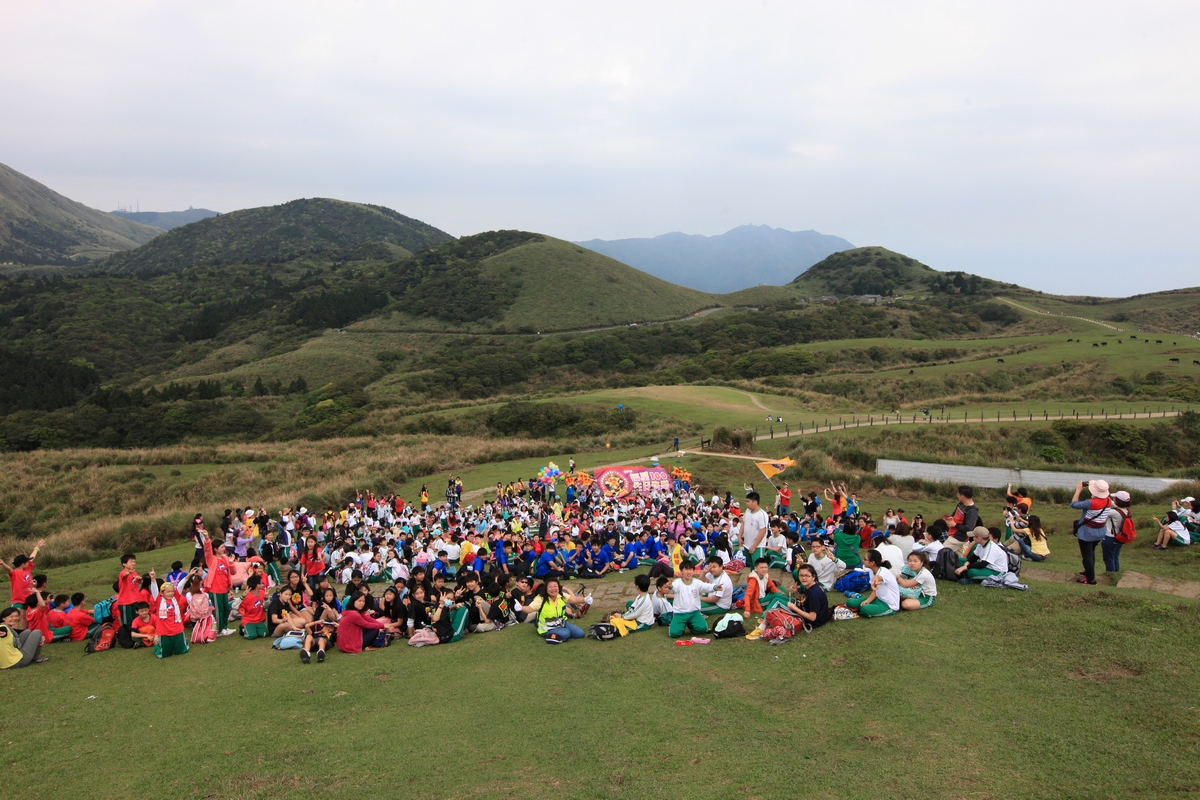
{"x":367,"y":577}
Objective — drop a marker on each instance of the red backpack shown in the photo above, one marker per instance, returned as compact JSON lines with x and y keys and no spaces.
{"x":102,"y":639}
{"x":1128,"y":532}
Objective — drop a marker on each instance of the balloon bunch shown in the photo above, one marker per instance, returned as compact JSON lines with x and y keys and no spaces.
{"x":549,"y":474}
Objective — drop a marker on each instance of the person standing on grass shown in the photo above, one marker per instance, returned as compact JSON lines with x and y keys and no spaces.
{"x":1091,"y":525}
{"x":129,"y":589}
{"x":755,"y":525}
{"x":217,"y":583}
{"x":18,"y":648}
{"x":686,"y":603}
{"x":1110,"y":548}
{"x":312,"y":561}
{"x":197,"y":537}
{"x":169,"y":612}
{"x":884,"y":598}
{"x":964,"y":520}
{"x":20,"y":578}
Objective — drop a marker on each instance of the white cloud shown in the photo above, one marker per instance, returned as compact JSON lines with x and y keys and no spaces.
{"x":1039,"y":142}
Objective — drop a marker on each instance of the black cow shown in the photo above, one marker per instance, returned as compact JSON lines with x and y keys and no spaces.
{"x":1095,"y":344}
{"x":999,"y":360}
{"x":1176,"y":360}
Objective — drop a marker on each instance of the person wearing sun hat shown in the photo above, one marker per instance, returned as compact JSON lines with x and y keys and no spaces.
{"x":1091,"y":525}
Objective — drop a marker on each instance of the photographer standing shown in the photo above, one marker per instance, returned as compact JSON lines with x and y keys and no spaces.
{"x":1091,"y":525}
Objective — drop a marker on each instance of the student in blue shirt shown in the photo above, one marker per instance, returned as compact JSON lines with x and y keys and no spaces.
{"x":176,"y":574}
{"x":609,"y":550}
{"x":439,"y":564}
{"x":548,"y":563}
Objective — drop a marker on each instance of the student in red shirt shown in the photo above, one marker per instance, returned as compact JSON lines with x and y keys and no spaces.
{"x":169,"y":612}
{"x":79,"y":618}
{"x":20,"y":575}
{"x":218,"y":581}
{"x":129,"y":588}
{"x":254,"y":612}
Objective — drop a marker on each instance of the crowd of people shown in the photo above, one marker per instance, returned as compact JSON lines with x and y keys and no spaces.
{"x":382,"y":570}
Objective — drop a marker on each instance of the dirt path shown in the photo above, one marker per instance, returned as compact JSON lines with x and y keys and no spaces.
{"x":1050,"y":314}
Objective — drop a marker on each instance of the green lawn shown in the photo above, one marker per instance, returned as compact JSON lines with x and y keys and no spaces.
{"x":1058,"y":692}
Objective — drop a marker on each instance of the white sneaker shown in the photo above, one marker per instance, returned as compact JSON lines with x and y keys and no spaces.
{"x":226,"y":632}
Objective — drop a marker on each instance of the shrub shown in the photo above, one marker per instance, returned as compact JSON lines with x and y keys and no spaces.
{"x":1053,"y":454}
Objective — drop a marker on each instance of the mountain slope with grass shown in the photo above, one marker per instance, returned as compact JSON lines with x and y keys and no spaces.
{"x":40,"y":226}
{"x":272,"y":234}
{"x":876,"y":270}
{"x":746,"y":256}
{"x":167,"y":220}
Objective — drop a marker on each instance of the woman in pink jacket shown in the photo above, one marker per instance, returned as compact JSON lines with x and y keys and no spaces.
{"x":355,"y":628}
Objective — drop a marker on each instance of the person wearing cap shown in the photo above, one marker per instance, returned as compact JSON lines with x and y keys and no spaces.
{"x":1091,"y":525}
{"x":985,"y":558}
{"x":1110,"y":548}
{"x":1188,"y":509}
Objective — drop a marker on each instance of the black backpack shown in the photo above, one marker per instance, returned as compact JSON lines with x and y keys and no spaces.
{"x":945,"y":565}
{"x":603,"y":631}
{"x":732,"y":629}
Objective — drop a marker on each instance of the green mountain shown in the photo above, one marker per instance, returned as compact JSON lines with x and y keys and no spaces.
{"x":273,"y":234}
{"x":876,"y":270}
{"x":40,"y":226}
{"x":527,"y":281}
{"x":167,"y":220}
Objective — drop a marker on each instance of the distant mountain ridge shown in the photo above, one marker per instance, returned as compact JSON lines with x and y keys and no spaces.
{"x":745,"y":256}
{"x":166,"y":219}
{"x":273,"y":234}
{"x":40,"y":226}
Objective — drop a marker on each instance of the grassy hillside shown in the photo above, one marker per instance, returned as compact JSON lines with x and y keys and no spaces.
{"x":565,"y":286}
{"x":278,"y":233}
{"x":1175,"y":312}
{"x":40,"y":226}
{"x":876,"y":270}
{"x":167,"y":220}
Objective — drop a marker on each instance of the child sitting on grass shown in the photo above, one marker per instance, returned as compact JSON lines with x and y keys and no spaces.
{"x":254,"y":611}
{"x":639,"y":614}
{"x":1171,"y":531}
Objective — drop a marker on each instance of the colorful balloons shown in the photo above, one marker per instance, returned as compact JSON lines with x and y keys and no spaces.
{"x":549,"y":474}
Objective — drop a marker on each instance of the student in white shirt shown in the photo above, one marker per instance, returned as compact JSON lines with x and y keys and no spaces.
{"x":686,"y":592}
{"x":640,"y":614}
{"x":755,"y":526}
{"x":891,"y":554}
{"x":884,"y":599}
{"x":918,"y":589}
{"x":825,"y":563}
{"x":985,"y":558}
{"x":720,"y":601}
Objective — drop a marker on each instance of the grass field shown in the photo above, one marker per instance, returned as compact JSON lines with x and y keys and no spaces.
{"x":1058,"y":692}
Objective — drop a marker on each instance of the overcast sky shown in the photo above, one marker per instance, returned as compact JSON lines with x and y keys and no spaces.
{"x":1056,"y":146}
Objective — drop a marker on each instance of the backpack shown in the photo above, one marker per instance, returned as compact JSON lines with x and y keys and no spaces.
{"x":729,"y":626}
{"x":1128,"y":532}
{"x":856,"y":580}
{"x":603,"y":632}
{"x":102,"y":639}
{"x":739,"y":592}
{"x":102,"y":612}
{"x":292,"y":640}
{"x":945,"y":564}
{"x":1014,"y":561}
{"x":125,"y":637}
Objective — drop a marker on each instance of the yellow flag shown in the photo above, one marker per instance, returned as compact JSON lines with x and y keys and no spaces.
{"x":773,"y":468}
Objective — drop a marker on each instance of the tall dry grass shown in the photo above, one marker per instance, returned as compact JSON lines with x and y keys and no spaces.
{"x":91,"y":503}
